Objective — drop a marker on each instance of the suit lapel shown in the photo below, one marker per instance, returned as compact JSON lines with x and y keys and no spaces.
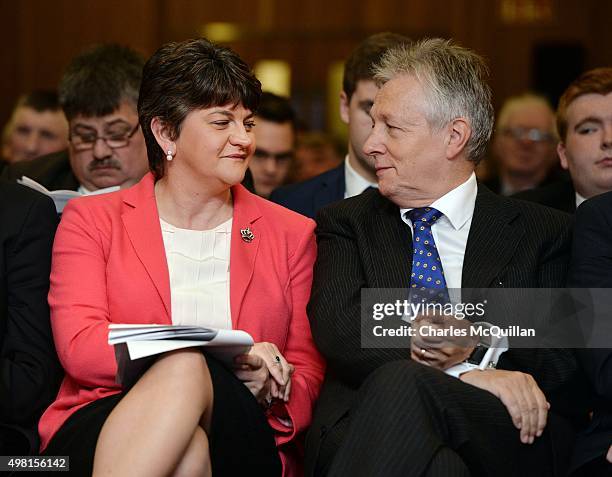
{"x":242,"y":252}
{"x":141,"y":222}
{"x":390,"y":245}
{"x":492,"y":241}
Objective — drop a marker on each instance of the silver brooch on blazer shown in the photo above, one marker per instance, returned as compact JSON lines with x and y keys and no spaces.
{"x":247,"y":235}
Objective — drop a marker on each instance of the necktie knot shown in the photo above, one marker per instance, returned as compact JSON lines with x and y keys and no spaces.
{"x":424,"y":216}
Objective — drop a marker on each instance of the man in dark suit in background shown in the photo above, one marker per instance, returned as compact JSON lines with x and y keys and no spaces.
{"x":591,"y":267}
{"x":98,"y":93}
{"x":392,"y":412}
{"x":37,"y":127}
{"x":357,"y":172}
{"x":523,"y":145}
{"x":29,"y":369}
{"x":274,"y":143}
{"x":585,"y":147}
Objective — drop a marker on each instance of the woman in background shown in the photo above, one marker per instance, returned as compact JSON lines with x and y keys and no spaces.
{"x":187,"y":245}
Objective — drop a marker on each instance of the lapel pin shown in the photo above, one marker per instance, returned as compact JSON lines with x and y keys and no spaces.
{"x":247,"y":235}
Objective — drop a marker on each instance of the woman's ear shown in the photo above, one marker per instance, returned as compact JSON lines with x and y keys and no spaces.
{"x":161,"y":131}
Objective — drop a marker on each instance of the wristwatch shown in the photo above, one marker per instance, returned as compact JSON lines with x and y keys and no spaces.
{"x":485,"y":354}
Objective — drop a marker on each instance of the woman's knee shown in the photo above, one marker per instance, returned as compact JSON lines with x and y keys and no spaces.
{"x":183,"y":371}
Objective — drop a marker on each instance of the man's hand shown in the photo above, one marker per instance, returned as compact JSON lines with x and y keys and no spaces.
{"x":521,"y":395}
{"x":441,"y":352}
{"x":609,"y":455}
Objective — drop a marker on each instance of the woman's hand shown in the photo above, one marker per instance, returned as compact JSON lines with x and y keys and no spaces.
{"x":278,"y":367}
{"x":253,"y":372}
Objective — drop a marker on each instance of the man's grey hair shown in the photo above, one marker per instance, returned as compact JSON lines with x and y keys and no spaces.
{"x":454,"y":81}
{"x":514,"y":103}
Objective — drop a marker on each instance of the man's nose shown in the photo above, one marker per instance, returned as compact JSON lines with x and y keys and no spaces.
{"x":606,"y":140}
{"x":270,"y":165}
{"x":101,"y":150}
{"x":371,"y":146}
{"x":32,"y":143}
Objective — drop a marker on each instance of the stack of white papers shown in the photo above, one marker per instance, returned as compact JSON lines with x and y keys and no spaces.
{"x":137,"y":345}
{"x":60,"y":197}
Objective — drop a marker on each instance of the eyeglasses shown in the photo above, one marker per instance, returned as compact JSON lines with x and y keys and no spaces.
{"x":85,"y":141}
{"x":533,"y":134}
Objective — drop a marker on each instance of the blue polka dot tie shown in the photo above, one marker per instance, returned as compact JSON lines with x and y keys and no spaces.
{"x":427,"y":273}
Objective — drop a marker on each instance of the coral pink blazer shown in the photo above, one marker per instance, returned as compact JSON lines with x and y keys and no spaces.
{"x":109,"y":266}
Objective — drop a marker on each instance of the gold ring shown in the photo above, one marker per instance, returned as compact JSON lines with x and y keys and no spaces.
{"x":423,"y":351}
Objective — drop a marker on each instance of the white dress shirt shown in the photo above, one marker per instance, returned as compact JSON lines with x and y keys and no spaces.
{"x":199,"y":264}
{"x":451,"y":231}
{"x":355,"y":184}
{"x":579,"y":199}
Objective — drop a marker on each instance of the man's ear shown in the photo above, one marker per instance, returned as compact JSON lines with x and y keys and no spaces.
{"x":344,"y":107}
{"x":162,"y":134}
{"x":562,"y":153}
{"x":459,"y":133}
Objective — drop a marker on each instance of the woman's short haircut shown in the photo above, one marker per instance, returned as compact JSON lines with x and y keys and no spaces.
{"x":184,"y":76}
{"x":454,"y":81}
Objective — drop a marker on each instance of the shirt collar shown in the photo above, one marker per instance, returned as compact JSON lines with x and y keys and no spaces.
{"x":456,"y":205}
{"x":355,"y":184}
{"x":83,"y":190}
{"x":579,"y":199}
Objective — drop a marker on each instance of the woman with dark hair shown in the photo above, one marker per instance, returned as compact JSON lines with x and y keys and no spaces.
{"x":186,"y":245}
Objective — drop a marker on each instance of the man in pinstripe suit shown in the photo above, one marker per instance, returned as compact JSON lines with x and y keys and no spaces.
{"x":392,"y":412}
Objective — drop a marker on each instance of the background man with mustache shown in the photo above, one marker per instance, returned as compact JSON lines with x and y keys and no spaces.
{"x":98,"y":93}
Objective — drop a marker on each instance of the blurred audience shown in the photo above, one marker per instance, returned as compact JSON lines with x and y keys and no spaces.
{"x":523,"y":145}
{"x":37,"y":127}
{"x":98,"y":93}
{"x":357,"y":172}
{"x":316,"y":153}
{"x":275,"y":143}
{"x":584,"y":124}
{"x":29,"y":368}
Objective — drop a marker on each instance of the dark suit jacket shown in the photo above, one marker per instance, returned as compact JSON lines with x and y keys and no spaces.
{"x":557,"y":174}
{"x":309,"y":196}
{"x":592,"y":267}
{"x":559,"y":195}
{"x":53,"y":171}
{"x":363,"y":243}
{"x":29,"y":368}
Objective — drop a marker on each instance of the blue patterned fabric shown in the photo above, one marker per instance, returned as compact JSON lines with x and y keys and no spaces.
{"x":427,"y":273}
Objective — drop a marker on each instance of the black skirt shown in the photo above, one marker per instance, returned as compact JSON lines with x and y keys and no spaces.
{"x":241,"y":440}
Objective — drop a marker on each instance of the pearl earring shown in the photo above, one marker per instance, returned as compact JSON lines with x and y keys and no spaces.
{"x":169,"y":155}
